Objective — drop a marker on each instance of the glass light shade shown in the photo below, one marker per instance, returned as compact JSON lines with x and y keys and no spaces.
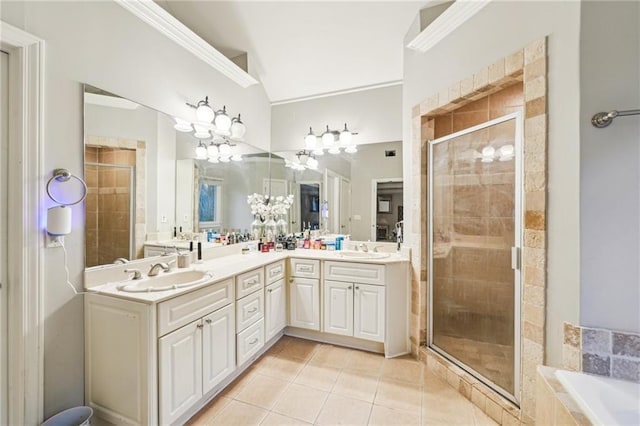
{"x":212,"y":150}
{"x":507,"y":150}
{"x":310,"y":140}
{"x":201,"y":132}
{"x":327,"y":138}
{"x":182,"y":125}
{"x":312,"y":163}
{"x":345,"y":136}
{"x":201,"y":151}
{"x":318,"y":151}
{"x":204,"y":112}
{"x":351,"y":149}
{"x":334,"y":150}
{"x":488,"y":151}
{"x":225,"y":158}
{"x":236,"y":157}
{"x":213,"y":160}
{"x":225,"y":149}
{"x":303,"y":158}
{"x":237,"y":128}
{"x":222,"y":121}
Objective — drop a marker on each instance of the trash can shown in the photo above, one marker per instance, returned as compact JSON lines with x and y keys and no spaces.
{"x":76,"y":416}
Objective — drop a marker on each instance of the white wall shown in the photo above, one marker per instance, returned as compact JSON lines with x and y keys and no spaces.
{"x":609,"y":166}
{"x":370,"y":164}
{"x":374,"y":114}
{"x":100,"y":43}
{"x":496,"y":31}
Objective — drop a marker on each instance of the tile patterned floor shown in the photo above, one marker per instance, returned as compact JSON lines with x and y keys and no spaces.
{"x":299,"y":382}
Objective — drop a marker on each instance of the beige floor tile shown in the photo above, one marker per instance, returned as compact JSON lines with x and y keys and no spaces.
{"x":433,"y":383}
{"x":209,"y":411}
{"x":239,"y":413}
{"x":401,"y":395}
{"x":481,"y":419}
{"x":318,"y":377}
{"x":263,"y":391}
{"x":384,"y":416}
{"x":299,"y":349}
{"x":365,"y":361}
{"x":280,"y":345}
{"x":340,"y":410}
{"x":300,"y":402}
{"x":281,"y":368}
{"x":330,"y":356}
{"x":238,"y":384}
{"x":275,"y":419}
{"x":444,"y":405}
{"x":405,"y":369}
{"x":356,"y":384}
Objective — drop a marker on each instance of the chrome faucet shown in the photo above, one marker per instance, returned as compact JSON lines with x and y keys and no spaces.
{"x":136,"y":273}
{"x":363,"y":247}
{"x":375,"y":248}
{"x":165,"y":251}
{"x":120,"y":260}
{"x":155,"y":267}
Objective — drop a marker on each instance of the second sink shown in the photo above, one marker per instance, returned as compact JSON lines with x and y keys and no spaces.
{"x":168,"y":281}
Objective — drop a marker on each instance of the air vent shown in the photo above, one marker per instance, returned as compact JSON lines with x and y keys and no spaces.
{"x":390,"y":153}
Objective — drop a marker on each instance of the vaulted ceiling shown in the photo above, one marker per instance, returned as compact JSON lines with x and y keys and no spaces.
{"x":300,"y":49}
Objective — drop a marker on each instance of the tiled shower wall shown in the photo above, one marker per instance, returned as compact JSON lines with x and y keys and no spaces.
{"x":108,"y":206}
{"x":602,"y":352}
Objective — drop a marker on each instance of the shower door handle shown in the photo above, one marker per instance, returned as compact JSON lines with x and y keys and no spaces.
{"x":515,"y":258}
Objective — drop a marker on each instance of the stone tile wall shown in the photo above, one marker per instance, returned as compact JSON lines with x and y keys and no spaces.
{"x":602,"y":352}
{"x":555,"y":406}
{"x":528,"y":66}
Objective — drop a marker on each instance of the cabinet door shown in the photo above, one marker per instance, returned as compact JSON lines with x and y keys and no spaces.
{"x":369,"y":312}
{"x":304,"y":299}
{"x":275,"y":309}
{"x":218,"y":347}
{"x":338,"y":307}
{"x":180,"y":366}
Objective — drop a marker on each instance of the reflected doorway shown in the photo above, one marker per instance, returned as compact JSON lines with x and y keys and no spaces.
{"x":308,"y":209}
{"x":387,"y":209}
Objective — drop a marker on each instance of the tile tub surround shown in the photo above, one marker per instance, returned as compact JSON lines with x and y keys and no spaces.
{"x":528,"y":67}
{"x":554,"y":405}
{"x":602,"y":352}
{"x":300,"y":382}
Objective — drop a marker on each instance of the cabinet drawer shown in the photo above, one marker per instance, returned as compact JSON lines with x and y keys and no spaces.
{"x":249,"y":282}
{"x":249,"y":309}
{"x":250,"y":341}
{"x":365,"y":273}
{"x":306,"y":268}
{"x":275,"y":271}
{"x":176,"y":312}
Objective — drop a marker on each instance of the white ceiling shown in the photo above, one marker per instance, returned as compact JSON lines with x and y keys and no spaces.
{"x":300,"y":49}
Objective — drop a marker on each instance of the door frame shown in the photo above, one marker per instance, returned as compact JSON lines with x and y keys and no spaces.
{"x":516,"y":255}
{"x":297,"y":213}
{"x":374,"y":201}
{"x":25,"y":208}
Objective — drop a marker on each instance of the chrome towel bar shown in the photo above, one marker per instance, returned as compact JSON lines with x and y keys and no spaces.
{"x":603,"y":119}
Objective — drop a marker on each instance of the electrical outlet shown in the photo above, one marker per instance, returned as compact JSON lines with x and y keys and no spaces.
{"x":54,"y":241}
{"x":186,"y":218}
{"x":163,"y":218}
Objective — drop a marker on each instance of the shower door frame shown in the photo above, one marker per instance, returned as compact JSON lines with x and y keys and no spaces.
{"x":516,"y":255}
{"x":132,"y":201}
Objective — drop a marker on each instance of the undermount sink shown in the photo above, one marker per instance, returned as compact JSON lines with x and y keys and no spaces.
{"x":363,"y":255}
{"x":169,"y":281}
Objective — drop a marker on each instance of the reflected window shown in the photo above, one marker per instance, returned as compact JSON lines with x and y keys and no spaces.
{"x":209,"y":203}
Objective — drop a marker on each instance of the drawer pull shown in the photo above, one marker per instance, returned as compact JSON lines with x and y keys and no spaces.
{"x":275,"y":271}
{"x":255,"y":309}
{"x":208,"y":321}
{"x":252,"y":282}
{"x":305,"y":268}
{"x":254,"y":341}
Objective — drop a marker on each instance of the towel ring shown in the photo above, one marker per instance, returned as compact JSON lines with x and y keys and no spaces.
{"x":64,"y":175}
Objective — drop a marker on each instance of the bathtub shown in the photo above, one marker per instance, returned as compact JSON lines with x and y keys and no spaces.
{"x":603,"y":400}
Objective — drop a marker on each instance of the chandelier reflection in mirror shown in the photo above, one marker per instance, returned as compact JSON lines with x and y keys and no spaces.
{"x":305,"y":160}
{"x":331,"y":140}
{"x":208,"y":125}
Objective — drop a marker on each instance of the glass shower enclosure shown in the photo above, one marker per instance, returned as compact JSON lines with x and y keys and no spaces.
{"x":474,"y":237}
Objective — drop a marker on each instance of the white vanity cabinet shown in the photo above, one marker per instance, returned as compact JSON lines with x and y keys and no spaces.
{"x":304,"y":294}
{"x":249,"y":314}
{"x":352,"y":307}
{"x":275,"y":296}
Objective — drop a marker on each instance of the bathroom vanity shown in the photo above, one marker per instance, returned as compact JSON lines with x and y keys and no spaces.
{"x":157,"y":357}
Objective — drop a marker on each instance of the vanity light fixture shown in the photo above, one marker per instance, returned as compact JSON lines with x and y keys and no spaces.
{"x":217,"y":152}
{"x":182,"y":125}
{"x":489,"y":153}
{"x":201,"y":151}
{"x":306,"y":160}
{"x":237,"y":128}
{"x":208,"y":121}
{"x":204,"y":112}
{"x":332,"y":140}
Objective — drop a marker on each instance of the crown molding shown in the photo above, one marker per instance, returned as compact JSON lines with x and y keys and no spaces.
{"x":338,"y":92}
{"x":169,"y":26}
{"x":457,"y":14}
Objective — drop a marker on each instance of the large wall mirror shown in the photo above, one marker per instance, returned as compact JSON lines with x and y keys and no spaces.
{"x":144,"y":179}
{"x":361,"y":192}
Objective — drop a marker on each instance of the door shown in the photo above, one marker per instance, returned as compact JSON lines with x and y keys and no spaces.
{"x":338,"y":307}
{"x":368,"y":312}
{"x":275,"y":309}
{"x":345,"y":206}
{"x":304,"y":296}
{"x":4,"y":143}
{"x":474,"y":242}
{"x":180,"y":365}
{"x":218,"y":347}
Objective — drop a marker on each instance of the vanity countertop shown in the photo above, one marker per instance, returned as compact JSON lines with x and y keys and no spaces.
{"x":227,"y":267}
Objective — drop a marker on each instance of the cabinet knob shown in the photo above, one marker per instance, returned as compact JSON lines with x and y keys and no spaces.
{"x":270,"y":290}
{"x":349,"y":288}
{"x":208,"y":321}
{"x":290,"y":280}
{"x":357,"y":288}
{"x":199,"y":325}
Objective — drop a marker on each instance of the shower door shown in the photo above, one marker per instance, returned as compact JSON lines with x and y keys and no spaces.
{"x":474,"y":245}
